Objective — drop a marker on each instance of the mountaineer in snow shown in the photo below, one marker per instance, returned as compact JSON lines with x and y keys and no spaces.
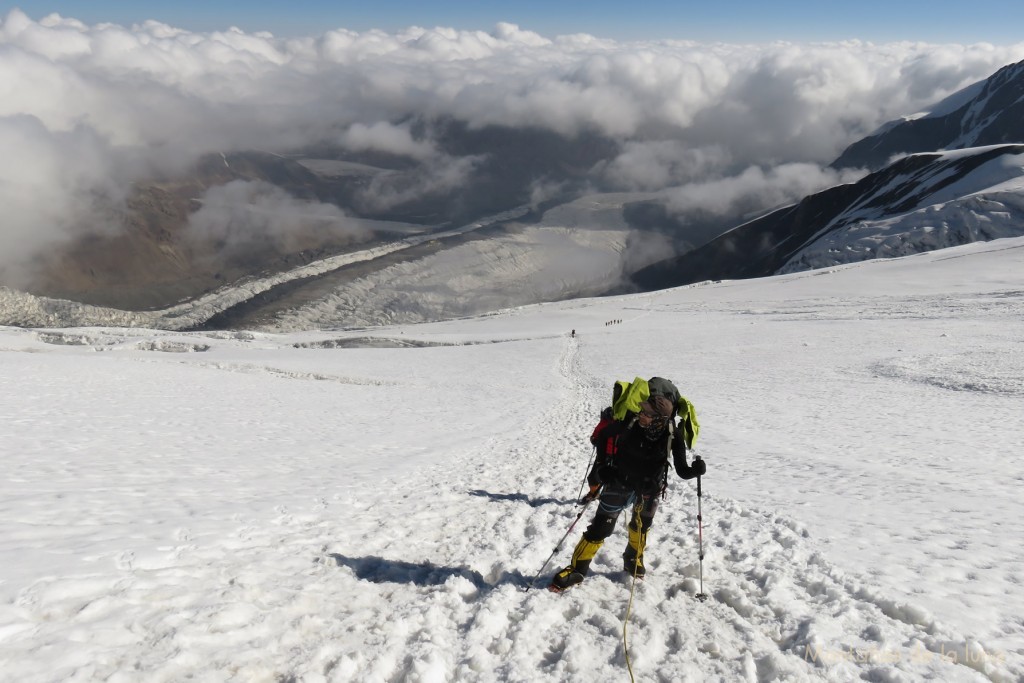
{"x":633,"y":443}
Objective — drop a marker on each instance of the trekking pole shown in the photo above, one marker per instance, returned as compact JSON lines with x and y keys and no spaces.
{"x":702,"y":596}
{"x":558,"y":546}
{"x":593,"y":454}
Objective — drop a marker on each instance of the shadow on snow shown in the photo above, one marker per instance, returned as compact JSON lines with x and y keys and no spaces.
{"x":532,"y":502}
{"x":381,"y":570}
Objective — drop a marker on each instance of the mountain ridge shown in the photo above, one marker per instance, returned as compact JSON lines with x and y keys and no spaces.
{"x":992,"y":115}
{"x":912,"y":160}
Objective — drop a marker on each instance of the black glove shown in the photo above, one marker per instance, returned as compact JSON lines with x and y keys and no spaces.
{"x":592,"y":494}
{"x":698,"y":467}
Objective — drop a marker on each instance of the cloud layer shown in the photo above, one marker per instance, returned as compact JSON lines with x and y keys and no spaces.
{"x":241,"y":214}
{"x":87,"y":110}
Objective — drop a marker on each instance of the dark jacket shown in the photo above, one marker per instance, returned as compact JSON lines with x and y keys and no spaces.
{"x":626,"y":456}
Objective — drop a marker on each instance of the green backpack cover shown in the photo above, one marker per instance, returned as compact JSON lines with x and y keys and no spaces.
{"x":629,"y":395}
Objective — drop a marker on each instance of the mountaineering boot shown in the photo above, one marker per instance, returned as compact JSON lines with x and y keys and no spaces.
{"x":575,"y":572}
{"x":565,"y":579}
{"x":633,"y":565}
{"x":633,"y":557}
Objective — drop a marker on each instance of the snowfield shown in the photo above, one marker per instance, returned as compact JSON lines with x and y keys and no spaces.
{"x":370,"y":504}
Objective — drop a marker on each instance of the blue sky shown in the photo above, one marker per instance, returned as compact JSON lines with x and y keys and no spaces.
{"x":995,"y":21}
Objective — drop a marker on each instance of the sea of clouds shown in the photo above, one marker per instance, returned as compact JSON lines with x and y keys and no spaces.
{"x":88,"y":110}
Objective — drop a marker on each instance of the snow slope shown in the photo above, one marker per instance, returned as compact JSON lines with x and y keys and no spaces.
{"x":369,"y":505}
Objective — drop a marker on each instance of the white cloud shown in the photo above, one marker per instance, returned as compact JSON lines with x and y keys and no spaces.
{"x":52,"y":185}
{"x":441,"y":174}
{"x":385,"y":137}
{"x":755,"y":188}
{"x":240,"y":214}
{"x":654,"y":165}
{"x":161,"y":96}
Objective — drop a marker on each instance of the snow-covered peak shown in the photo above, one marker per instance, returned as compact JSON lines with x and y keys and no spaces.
{"x":989,"y":112}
